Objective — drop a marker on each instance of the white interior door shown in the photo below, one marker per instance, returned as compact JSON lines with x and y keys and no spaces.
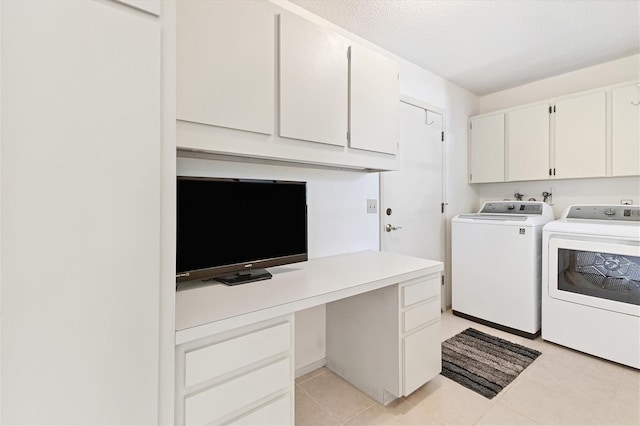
{"x":412,"y":198}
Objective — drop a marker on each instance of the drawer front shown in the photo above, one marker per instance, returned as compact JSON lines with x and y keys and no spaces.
{"x":422,"y":357}
{"x":418,"y":291}
{"x":421,"y":314}
{"x":276,"y":412}
{"x":224,"y":399}
{"x":228,"y":355}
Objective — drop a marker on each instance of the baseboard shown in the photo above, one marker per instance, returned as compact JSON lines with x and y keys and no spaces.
{"x":310,"y":367}
{"x":515,"y":331}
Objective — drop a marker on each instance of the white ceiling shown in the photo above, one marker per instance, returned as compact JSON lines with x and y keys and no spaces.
{"x":486,"y":45}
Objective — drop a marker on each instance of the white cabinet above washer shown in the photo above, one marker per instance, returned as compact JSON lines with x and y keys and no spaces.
{"x":625,"y":127}
{"x":580,"y":138}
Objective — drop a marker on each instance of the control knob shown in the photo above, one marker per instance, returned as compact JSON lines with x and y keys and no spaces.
{"x":610,"y":211}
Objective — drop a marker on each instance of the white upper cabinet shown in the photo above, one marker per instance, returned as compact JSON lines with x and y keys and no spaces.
{"x":580,"y":136}
{"x":314,"y":77}
{"x":374,"y":101}
{"x":626,"y":130}
{"x":225,"y":64}
{"x":486,"y":149}
{"x":528,"y":143}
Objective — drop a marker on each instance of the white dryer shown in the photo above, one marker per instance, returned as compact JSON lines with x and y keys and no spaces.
{"x":591,"y":281}
{"x":496,"y":257}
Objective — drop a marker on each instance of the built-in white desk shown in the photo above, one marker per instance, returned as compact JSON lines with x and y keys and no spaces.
{"x":234,"y":344}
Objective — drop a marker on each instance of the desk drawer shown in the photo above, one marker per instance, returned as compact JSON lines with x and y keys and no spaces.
{"x":225,"y":356}
{"x":421,"y":314}
{"x":227,"y":397}
{"x":276,"y":412}
{"x":420,"y":290}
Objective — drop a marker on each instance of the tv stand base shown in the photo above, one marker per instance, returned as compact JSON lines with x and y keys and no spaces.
{"x":245,"y":277}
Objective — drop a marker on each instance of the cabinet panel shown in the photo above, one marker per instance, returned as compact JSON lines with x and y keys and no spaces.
{"x":374,"y":102}
{"x":580,"y":137}
{"x":528,"y":143}
{"x":414,"y":292}
{"x":81,"y":141}
{"x":277,"y":412}
{"x":232,"y":395}
{"x":223,"y":357}
{"x":422,"y":357}
{"x":486,"y":150}
{"x":225,"y":64}
{"x":314,"y":72}
{"x":421,"y":314}
{"x":626,"y":130}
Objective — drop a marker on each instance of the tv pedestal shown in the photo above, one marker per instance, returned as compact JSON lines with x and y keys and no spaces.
{"x":235,"y":345}
{"x":244,"y":277}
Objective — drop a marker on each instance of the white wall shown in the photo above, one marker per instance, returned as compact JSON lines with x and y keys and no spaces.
{"x":572,"y":191}
{"x":618,"y":71}
{"x":337,"y":223}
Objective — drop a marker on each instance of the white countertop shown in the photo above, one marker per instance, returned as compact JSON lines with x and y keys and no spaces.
{"x":209,"y":309}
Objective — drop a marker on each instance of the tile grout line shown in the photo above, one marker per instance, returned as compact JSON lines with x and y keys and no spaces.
{"x":328,"y":411}
{"x":369,"y":407}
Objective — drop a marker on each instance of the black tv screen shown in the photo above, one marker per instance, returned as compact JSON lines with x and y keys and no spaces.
{"x":235,"y":227}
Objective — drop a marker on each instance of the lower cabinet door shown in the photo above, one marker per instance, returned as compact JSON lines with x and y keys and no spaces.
{"x":422,"y":357}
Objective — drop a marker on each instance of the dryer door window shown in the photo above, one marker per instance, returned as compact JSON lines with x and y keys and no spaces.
{"x":604,"y":275}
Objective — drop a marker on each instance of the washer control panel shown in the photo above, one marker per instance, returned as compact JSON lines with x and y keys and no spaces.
{"x":609,"y":212}
{"x":512,"y":207}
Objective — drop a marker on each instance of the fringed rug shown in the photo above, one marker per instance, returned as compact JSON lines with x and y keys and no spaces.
{"x":483,"y":363}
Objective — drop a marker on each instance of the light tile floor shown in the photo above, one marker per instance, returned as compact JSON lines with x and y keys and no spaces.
{"x":561,"y":387}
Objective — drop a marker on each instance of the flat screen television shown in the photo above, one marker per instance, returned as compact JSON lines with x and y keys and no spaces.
{"x":231,"y":229}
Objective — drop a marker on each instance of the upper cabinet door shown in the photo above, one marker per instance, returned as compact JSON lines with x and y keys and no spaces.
{"x":528,"y":143}
{"x":374,"y":101}
{"x":314,"y":72}
{"x":225,"y":64}
{"x":486,"y":149}
{"x":580,"y":131}
{"x":626,"y":130}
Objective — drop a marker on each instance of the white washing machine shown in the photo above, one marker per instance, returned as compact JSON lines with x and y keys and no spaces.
{"x":496,"y":258}
{"x":591,"y":281}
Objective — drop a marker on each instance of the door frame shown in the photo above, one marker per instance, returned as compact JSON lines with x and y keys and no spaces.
{"x":443,"y":228}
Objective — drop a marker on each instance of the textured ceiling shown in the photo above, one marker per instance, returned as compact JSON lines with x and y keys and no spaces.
{"x":487,"y":46}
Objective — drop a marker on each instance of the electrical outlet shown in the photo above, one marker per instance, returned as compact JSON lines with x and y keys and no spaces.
{"x":372,"y":205}
{"x":626,"y":202}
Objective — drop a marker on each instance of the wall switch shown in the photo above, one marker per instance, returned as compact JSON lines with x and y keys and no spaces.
{"x":372,"y":206}
{"x":626,"y":202}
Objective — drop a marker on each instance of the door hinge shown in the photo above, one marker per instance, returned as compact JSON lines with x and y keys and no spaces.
{"x":554,"y":171}
{"x":550,"y":109}
{"x":470,"y":178}
{"x":347,"y":136}
{"x":442,"y":280}
{"x":549,"y":169}
{"x":471,"y":125}
{"x":554,"y":108}
{"x":441,"y":207}
{"x":442,"y":136}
